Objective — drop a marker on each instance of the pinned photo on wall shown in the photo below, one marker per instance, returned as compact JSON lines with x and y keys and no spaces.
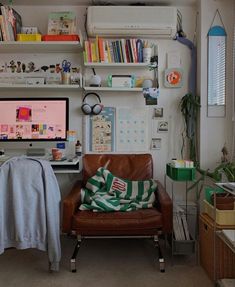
{"x":158,"y":113}
{"x":156,"y":143}
{"x":151,"y":95}
{"x":173,"y":78}
{"x":162,"y":126}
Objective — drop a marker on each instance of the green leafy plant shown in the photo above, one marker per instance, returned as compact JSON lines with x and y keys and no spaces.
{"x":189,"y":106}
{"x":226,"y":168}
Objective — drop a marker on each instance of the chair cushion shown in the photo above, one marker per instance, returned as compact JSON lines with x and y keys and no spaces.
{"x":139,"y":222}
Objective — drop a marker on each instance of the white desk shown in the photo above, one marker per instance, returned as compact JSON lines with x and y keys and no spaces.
{"x":72,"y":165}
{"x":68,"y":165}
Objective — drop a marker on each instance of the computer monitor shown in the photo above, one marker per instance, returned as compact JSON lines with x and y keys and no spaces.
{"x":33,"y":120}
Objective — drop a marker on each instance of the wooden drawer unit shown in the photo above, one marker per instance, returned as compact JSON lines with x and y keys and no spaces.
{"x":224,"y":257}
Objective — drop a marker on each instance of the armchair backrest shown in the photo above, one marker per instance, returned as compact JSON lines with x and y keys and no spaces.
{"x":127,"y":166}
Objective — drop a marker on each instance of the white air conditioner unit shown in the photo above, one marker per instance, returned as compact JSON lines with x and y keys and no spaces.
{"x":145,"y":21}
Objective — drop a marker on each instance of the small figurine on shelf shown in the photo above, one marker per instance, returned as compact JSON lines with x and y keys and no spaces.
{"x":95,"y":80}
{"x":23,"y":67}
{"x":78,"y":148}
{"x":12,"y":66}
{"x":31,"y":67}
{"x":18,"y":69}
{"x":58,"y":68}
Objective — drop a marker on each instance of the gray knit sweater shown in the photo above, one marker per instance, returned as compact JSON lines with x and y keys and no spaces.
{"x":30,"y":207}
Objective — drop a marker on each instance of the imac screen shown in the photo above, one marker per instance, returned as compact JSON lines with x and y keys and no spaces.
{"x":36,"y":119}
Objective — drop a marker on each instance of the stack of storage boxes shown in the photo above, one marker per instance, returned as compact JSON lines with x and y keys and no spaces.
{"x":216,"y":256}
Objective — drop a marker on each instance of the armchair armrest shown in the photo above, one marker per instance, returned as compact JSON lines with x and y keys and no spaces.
{"x":166,"y":207}
{"x":70,"y":204}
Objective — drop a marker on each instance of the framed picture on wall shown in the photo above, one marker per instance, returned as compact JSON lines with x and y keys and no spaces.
{"x":102,"y":131}
{"x":156,"y":143}
{"x":99,"y":131}
{"x":158,"y":113}
{"x":162,"y":126}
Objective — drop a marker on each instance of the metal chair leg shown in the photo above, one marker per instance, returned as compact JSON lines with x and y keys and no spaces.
{"x":160,"y":257}
{"x":75,"y":252}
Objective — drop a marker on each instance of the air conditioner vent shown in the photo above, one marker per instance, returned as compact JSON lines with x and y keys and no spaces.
{"x":158,"y":22}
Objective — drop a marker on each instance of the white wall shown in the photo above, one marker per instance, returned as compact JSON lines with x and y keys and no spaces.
{"x":214,"y":132}
{"x":169,"y":98}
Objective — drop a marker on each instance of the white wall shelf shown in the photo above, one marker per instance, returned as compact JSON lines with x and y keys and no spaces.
{"x":109,"y":89}
{"x":49,"y":86}
{"x":118,"y":65}
{"x":41,"y":47}
{"x":113,"y":66}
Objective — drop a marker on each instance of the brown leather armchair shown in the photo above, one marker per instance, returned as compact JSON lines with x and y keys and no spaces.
{"x":140,"y":223}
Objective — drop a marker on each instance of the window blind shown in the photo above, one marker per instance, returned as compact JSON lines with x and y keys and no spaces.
{"x":216,"y":68}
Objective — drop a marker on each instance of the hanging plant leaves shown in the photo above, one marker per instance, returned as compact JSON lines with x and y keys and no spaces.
{"x":189,"y":106}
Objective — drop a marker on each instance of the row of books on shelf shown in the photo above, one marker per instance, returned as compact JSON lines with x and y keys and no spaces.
{"x":10,"y":23}
{"x":101,"y":50}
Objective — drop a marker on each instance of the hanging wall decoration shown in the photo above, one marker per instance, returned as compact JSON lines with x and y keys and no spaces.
{"x":173,"y":78}
{"x":216,"y":68}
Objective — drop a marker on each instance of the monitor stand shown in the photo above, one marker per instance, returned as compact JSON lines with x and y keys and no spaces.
{"x":36,"y":152}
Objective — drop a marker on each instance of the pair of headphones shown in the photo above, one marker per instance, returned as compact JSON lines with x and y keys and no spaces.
{"x":88,"y":109}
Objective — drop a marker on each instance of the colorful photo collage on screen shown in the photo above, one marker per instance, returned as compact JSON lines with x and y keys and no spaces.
{"x":25,"y":128}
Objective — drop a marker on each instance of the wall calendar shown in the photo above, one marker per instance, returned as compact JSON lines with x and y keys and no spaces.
{"x":132,"y":132}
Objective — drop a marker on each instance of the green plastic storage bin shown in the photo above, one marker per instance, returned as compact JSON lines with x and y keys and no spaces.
{"x":180,"y":173}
